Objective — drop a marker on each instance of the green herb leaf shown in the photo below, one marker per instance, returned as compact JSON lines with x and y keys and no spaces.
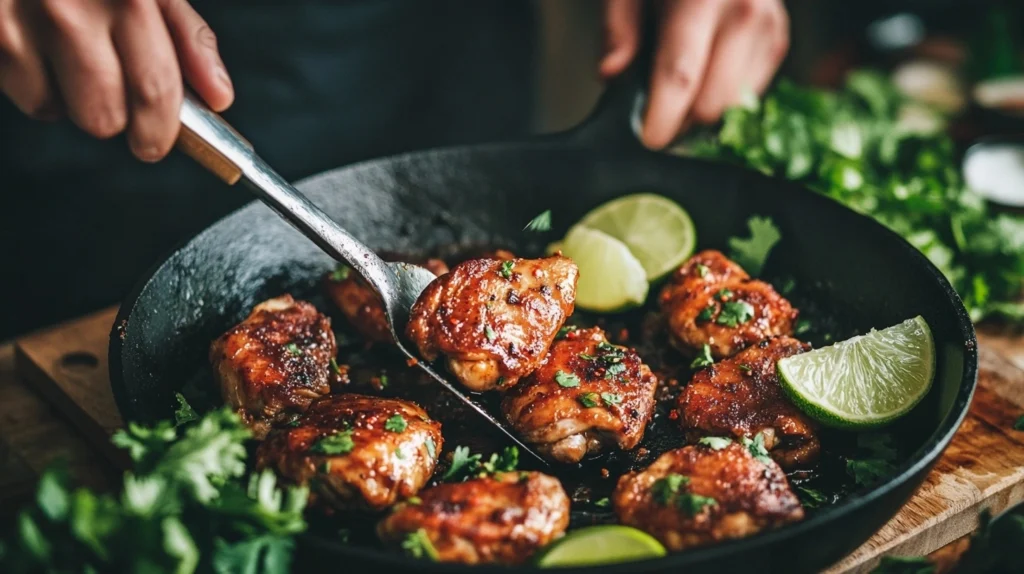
{"x":715,"y":442}
{"x":603,"y":502}
{"x":613,"y":370}
{"x":693,"y":504}
{"x":293,"y":349}
{"x":507,"y":461}
{"x":340,"y":273}
{"x":431,"y":447}
{"x":184,"y":414}
{"x":757,"y":448}
{"x":335,"y":367}
{"x":802,"y":327}
{"x":489,"y":332}
{"x":540,"y":223}
{"x":664,"y":489}
{"x":565,"y":330}
{"x":745,"y":368}
{"x":396,"y":424}
{"x":463,"y":464}
{"x":704,"y":359}
{"x":589,"y":400}
{"x":506,"y":268}
{"x":337,"y":443}
{"x":1019,"y":425}
{"x":723,"y":294}
{"x":414,"y":500}
{"x":869,"y":471}
{"x":702,"y":270}
{"x":418,"y":545}
{"x":810,"y":497}
{"x":568,"y":380}
{"x":751,"y":253}
{"x":706,"y":314}
{"x":611,"y":399}
{"x":735,"y":313}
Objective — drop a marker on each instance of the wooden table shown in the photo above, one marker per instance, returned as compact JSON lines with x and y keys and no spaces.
{"x":982,"y":468}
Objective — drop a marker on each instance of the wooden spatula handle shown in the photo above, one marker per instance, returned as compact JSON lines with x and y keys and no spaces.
{"x":211,"y":141}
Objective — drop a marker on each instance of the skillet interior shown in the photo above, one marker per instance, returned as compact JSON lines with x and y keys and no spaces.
{"x":423,"y":202}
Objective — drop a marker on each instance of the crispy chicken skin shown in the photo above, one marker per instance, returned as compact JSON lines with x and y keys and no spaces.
{"x":381,"y":465}
{"x":741,"y":397}
{"x":275,"y":362}
{"x":749,"y":496}
{"x":361,"y":305}
{"x":705,"y":286}
{"x":610,"y":404}
{"x":500,"y":519}
{"x":494,"y":319}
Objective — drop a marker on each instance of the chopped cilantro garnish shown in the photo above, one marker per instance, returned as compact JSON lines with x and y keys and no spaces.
{"x":706,"y":313}
{"x":664,"y":489}
{"x":489,"y":332}
{"x":693,"y":504}
{"x":414,"y":500}
{"x":702,"y":270}
{"x":1019,"y":425}
{"x":611,"y":399}
{"x":752,"y":253}
{"x":587,"y":357}
{"x":704,"y":359}
{"x":810,"y":497}
{"x":399,"y":454}
{"x":184,"y":414}
{"x":506,"y":268}
{"x":614,"y":369}
{"x":466,"y":465}
{"x":431,"y":447}
{"x":757,"y":448}
{"x":418,"y":545}
{"x":463,"y":463}
{"x":715,"y":442}
{"x":589,"y":400}
{"x":567,"y":380}
{"x":603,"y":503}
{"x":334,"y":366}
{"x":340,"y":274}
{"x":293,"y":349}
{"x":337,"y":443}
{"x":396,"y":424}
{"x":802,"y":327}
{"x":723,"y":294}
{"x":565,"y":330}
{"x":383,"y":378}
{"x":540,"y":223}
{"x":904,"y":565}
{"x":735,"y":313}
{"x":745,"y":368}
{"x":878,"y":462}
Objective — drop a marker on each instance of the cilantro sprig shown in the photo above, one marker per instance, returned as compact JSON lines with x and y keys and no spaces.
{"x":466,"y":465}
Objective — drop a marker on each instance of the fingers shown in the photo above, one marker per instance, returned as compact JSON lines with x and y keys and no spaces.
{"x":152,"y":79}
{"x":621,"y":35}
{"x":23,"y":75}
{"x":198,"y":55}
{"x":744,"y":57}
{"x":86,"y":66}
{"x":684,"y":46}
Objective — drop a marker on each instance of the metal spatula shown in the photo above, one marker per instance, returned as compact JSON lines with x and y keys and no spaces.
{"x":218,"y":147}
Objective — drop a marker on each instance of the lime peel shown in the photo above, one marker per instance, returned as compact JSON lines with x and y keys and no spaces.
{"x":596,"y":545}
{"x":866,"y":381}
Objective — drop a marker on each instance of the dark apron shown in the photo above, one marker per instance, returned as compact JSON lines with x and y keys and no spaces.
{"x":318,"y":85}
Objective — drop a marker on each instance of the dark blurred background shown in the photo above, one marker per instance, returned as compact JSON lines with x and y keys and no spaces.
{"x":77,"y":234}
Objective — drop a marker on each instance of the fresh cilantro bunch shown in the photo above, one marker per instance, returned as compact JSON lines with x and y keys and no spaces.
{"x":466,"y":465}
{"x":186,"y":506}
{"x":853,"y":146}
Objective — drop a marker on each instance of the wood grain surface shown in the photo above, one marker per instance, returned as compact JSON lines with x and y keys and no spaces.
{"x":982,"y":468}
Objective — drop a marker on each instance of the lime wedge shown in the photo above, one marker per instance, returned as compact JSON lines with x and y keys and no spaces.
{"x":611,"y":279}
{"x":866,"y":381}
{"x":657,"y":231}
{"x":596,"y":545}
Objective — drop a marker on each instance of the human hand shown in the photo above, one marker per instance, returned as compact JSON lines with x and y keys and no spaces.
{"x":708,"y":52}
{"x":110,"y":65}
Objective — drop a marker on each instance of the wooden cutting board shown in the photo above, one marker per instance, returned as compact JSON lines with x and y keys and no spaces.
{"x":982,"y":468}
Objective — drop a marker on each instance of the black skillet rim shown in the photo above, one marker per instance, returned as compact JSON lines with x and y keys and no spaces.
{"x":918,"y":463}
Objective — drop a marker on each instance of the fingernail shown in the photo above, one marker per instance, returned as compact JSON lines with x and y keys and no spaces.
{"x":222,"y":76}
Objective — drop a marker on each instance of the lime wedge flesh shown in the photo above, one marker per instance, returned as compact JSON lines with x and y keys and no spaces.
{"x":594,"y":545}
{"x":657,"y":231}
{"x":866,"y":381}
{"x":611,"y":279}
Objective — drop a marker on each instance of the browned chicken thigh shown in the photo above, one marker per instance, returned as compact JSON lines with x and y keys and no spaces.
{"x":359,"y":302}
{"x":494,"y":319}
{"x":697,"y":495}
{"x":500,"y":519}
{"x":712,"y":301}
{"x":275,"y":362}
{"x":364,"y":452}
{"x":587,"y":395}
{"x":741,"y":397}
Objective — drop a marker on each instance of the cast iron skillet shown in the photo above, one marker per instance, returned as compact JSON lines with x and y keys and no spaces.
{"x":483,"y":195}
